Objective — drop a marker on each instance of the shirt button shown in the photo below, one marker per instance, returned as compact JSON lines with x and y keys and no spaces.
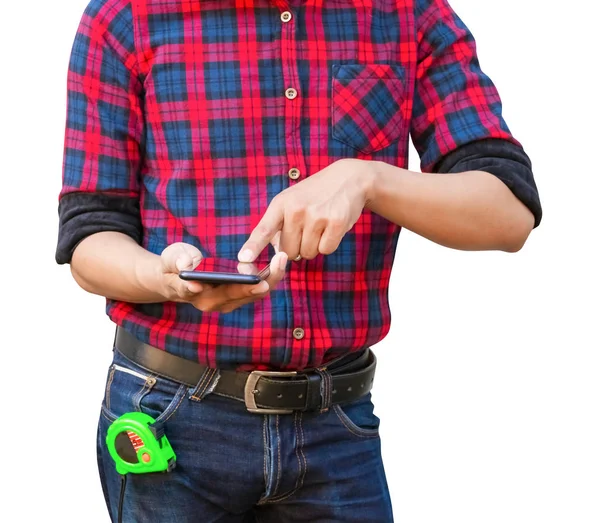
{"x":291,"y":93}
{"x":294,"y":173}
{"x":286,"y":16}
{"x":298,"y":333}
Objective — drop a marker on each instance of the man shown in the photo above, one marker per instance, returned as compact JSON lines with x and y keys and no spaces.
{"x":267,"y":131}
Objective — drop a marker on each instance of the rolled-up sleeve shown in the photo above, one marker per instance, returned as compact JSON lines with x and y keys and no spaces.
{"x":457,"y":121}
{"x":104,"y":130}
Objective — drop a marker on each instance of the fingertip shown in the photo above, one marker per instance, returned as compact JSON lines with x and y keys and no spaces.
{"x":195,"y":287}
{"x":283,"y":260}
{"x":246,"y":268}
{"x":278,"y":262}
{"x":246,"y":255}
{"x":261,"y":288}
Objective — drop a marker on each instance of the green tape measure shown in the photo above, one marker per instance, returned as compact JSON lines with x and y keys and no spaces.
{"x":138,"y":446}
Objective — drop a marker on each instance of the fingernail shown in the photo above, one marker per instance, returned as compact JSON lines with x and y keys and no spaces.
{"x":246,"y":255}
{"x":261,"y":288}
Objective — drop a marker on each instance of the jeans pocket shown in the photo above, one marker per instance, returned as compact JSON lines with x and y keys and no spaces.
{"x":358,"y":417}
{"x":131,"y":388}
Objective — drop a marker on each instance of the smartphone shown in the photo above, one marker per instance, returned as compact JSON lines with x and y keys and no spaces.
{"x":217,"y":271}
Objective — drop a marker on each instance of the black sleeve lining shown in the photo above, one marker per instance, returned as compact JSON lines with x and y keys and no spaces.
{"x":505,"y":160}
{"x":83,"y":214}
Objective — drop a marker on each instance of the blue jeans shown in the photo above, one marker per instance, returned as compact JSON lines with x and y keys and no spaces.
{"x":235,"y":466}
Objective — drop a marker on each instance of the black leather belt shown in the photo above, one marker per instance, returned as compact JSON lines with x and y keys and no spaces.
{"x":264,"y":392}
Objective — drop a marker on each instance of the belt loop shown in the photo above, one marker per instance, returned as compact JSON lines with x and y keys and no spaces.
{"x":326,"y":388}
{"x":206,"y":384}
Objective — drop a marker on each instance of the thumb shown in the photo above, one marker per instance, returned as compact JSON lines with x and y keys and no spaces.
{"x":180,"y":257}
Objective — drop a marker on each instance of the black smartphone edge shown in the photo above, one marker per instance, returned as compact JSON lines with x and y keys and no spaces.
{"x":220,"y":277}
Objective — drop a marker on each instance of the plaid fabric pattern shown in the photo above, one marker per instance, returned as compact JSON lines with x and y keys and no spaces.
{"x":368,"y":105}
{"x":182,"y":105}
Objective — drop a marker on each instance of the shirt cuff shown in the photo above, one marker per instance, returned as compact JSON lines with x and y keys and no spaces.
{"x":505,"y":160}
{"x":83,"y":214}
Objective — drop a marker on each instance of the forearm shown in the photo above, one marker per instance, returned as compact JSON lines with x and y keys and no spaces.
{"x":113,"y":265}
{"x":469,"y":211}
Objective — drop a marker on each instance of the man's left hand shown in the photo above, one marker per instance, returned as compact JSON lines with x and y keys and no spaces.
{"x":312,"y":217}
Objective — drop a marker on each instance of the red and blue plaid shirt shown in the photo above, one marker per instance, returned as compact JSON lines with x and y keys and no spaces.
{"x":186,"y":118}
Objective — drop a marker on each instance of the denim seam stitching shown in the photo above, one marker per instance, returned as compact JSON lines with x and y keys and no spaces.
{"x":264,"y":498}
{"x":302,"y":450}
{"x":137,"y":399}
{"x":202,"y":380}
{"x":278,"y":440}
{"x":168,"y":412}
{"x":107,"y":415}
{"x":208,"y":382}
{"x":326,"y":383}
{"x":198,"y":394}
{"x":342,"y":416}
{"x":301,"y":472}
{"x":108,"y":384}
{"x":265,"y":450}
{"x":296,"y":449}
{"x":164,"y":417}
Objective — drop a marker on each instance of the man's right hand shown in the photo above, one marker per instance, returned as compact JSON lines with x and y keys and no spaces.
{"x":208,"y":298}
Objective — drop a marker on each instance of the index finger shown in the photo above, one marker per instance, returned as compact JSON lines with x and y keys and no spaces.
{"x":263,"y":233}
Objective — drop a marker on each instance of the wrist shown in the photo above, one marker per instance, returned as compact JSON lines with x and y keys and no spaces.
{"x":149,"y":275}
{"x":387,"y":181}
{"x":371,"y":177}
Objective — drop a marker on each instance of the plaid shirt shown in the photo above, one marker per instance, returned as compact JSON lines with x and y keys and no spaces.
{"x":196,"y":114}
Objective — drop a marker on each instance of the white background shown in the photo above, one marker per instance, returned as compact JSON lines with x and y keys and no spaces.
{"x":488,"y":384}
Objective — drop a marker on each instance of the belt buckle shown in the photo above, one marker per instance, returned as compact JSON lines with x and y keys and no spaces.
{"x":250,"y":387}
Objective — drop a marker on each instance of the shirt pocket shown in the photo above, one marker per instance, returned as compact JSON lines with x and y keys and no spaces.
{"x":367,"y":105}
